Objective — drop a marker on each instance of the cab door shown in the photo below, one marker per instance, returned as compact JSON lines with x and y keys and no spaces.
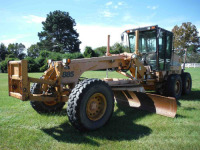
{"x":164,"y":49}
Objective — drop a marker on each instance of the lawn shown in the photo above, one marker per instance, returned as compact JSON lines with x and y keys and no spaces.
{"x":23,"y":128}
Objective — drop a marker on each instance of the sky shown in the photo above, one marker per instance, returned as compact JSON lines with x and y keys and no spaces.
{"x":20,"y":20}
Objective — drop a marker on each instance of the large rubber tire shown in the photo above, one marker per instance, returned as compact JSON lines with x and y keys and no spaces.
{"x":80,"y":98}
{"x":187,"y":83}
{"x":174,"y":86}
{"x":42,"y":107}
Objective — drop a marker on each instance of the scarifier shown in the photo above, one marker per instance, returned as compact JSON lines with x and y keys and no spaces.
{"x":151,"y":65}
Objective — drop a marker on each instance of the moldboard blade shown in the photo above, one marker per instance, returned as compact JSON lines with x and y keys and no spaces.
{"x":161,"y":105}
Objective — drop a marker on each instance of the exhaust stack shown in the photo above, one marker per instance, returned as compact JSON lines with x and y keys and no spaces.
{"x":137,"y":42}
{"x":108,"y":46}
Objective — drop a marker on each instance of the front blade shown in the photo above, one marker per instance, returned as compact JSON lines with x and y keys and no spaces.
{"x":161,"y":105}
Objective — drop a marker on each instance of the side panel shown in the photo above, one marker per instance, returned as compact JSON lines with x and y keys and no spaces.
{"x":72,"y":72}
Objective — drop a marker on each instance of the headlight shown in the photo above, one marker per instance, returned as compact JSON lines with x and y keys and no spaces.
{"x":64,"y":61}
{"x":134,"y":56}
{"x":49,"y":61}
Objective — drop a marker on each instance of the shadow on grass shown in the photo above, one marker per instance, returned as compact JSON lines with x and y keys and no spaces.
{"x":194,"y":96}
{"x":189,"y":108}
{"x":180,"y":116}
{"x":120,"y":127}
{"x":63,"y":112}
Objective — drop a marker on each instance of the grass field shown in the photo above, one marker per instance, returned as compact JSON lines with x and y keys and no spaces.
{"x":23,"y":128}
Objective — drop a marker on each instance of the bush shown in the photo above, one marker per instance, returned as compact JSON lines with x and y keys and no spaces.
{"x":41,"y":61}
{"x":115,"y":52}
{"x":3,"y":64}
{"x":44,"y":53}
{"x":119,"y":48}
{"x":88,"y":53}
{"x":44,"y":67}
{"x":72,"y":55}
{"x":100,"y":51}
{"x":55,"y":56}
{"x":10,"y":56}
{"x":32,"y":65}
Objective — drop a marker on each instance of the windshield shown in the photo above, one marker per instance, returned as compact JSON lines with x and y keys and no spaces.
{"x":147,"y":41}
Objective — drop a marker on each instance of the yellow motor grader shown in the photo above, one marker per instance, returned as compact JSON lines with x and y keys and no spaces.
{"x":151,"y":65}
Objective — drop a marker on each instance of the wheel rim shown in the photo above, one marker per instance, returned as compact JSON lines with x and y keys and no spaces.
{"x":177,"y":87}
{"x":50,"y":103}
{"x":96,"y":106}
{"x":188,"y":84}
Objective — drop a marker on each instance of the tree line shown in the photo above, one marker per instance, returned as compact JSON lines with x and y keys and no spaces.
{"x":37,"y":58}
{"x":59,"y":40}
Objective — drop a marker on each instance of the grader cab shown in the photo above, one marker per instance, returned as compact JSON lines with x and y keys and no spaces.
{"x":154,"y":47}
{"x":150,"y":65}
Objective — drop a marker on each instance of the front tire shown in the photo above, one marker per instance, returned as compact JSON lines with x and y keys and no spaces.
{"x":90,"y":104}
{"x":44,"y":107}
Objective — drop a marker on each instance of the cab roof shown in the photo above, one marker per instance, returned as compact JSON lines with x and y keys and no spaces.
{"x":154,"y":27}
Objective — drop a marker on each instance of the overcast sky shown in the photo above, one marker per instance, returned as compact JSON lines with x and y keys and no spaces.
{"x":20,"y":20}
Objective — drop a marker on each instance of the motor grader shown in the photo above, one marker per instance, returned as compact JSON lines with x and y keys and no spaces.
{"x":151,"y":65}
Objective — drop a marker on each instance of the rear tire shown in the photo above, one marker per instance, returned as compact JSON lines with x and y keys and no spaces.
{"x":174,"y":86}
{"x":187,"y":83}
{"x":90,"y":104}
{"x":44,"y":107}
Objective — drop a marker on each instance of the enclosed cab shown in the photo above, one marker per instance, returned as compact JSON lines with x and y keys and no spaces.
{"x":154,"y":48}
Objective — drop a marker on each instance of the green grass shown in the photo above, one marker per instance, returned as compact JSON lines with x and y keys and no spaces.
{"x":22,"y":128}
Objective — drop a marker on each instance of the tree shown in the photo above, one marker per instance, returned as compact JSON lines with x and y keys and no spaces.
{"x":185,"y":36}
{"x":4,"y":63}
{"x":118,"y":48}
{"x":17,"y":49}
{"x":115,"y":49}
{"x":33,"y":51}
{"x":88,"y":52}
{"x":59,"y":34}
{"x":32,"y":65}
{"x":100,"y":51}
{"x":3,"y":52}
{"x":193,"y":57}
